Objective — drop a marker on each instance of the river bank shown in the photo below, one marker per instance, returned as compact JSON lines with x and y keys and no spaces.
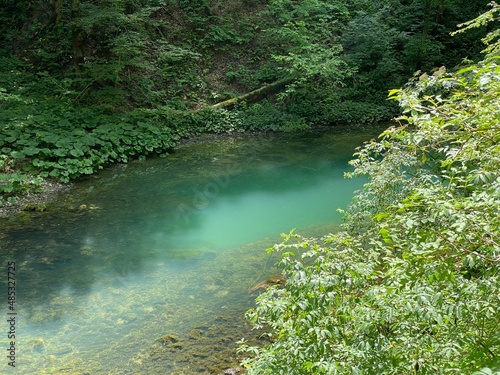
{"x":50,"y":191}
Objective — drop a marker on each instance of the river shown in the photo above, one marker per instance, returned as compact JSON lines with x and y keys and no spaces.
{"x":148,"y":268}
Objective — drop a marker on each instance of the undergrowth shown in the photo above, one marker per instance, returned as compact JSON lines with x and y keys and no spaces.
{"x":56,"y":140}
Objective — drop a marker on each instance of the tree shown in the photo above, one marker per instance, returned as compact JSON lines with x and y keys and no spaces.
{"x":306,"y":39}
{"x":386,"y":41}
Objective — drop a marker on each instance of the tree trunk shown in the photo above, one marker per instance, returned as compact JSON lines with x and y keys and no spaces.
{"x":426,"y":24}
{"x":77,"y":37}
{"x":440,"y":11}
{"x":58,"y":10}
{"x":255,"y":95}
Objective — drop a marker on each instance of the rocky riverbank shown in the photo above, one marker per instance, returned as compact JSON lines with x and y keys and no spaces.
{"x":34,"y":201}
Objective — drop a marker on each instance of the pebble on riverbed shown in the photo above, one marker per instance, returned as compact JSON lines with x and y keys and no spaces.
{"x":232,"y":371}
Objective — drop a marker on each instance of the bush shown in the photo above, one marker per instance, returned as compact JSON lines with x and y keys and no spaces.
{"x":328,"y":106}
{"x":267,"y":117}
{"x":64,"y":143}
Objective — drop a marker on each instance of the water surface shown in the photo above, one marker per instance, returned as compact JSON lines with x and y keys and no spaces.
{"x":148,"y":267}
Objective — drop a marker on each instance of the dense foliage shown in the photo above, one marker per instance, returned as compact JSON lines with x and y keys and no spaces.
{"x":411,"y":285}
{"x":87,"y":83}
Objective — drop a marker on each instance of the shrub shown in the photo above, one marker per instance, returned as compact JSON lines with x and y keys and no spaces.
{"x":267,"y":117}
{"x":411,"y":285}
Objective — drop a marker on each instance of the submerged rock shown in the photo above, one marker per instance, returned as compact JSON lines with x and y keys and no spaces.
{"x":275,"y":280}
{"x":232,"y":371}
{"x":171,"y":340}
{"x":34,"y":207}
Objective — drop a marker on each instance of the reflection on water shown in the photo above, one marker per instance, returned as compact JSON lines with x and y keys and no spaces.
{"x":147,"y":269}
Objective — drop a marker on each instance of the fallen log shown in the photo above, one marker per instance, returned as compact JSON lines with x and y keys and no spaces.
{"x":255,"y":95}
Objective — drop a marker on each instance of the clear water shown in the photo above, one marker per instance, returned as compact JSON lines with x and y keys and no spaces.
{"x":149,"y":268}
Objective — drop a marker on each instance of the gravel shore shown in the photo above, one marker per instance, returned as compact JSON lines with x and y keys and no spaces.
{"x":50,"y":190}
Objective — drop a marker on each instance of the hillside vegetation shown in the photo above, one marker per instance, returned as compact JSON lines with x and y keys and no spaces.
{"x":87,"y":83}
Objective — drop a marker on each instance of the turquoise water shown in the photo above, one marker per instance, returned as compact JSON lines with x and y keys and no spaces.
{"x":148,"y":268}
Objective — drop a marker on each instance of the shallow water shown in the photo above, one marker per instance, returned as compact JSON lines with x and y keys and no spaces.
{"x":148,"y":268}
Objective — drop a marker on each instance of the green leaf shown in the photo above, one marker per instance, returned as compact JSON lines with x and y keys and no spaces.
{"x":17,"y":155}
{"x":76,"y":152}
{"x":30,"y":151}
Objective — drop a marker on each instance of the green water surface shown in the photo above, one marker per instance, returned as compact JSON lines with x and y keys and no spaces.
{"x":149,"y":267}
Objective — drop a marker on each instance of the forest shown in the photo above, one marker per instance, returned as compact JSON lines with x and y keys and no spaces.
{"x":87,"y":83}
{"x":410,"y":284}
